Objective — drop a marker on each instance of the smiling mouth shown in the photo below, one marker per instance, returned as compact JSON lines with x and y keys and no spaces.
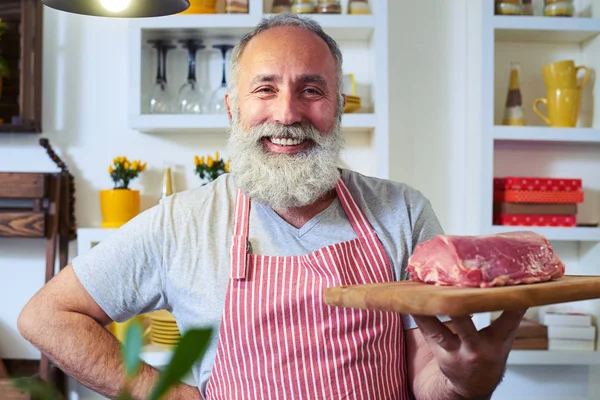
{"x":282,"y":141}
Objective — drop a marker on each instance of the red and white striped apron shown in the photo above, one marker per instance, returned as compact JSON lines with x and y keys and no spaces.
{"x":279,"y":340}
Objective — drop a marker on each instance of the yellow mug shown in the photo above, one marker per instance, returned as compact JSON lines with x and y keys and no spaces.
{"x":563,"y":74}
{"x":562,"y":105}
{"x":119,"y":329}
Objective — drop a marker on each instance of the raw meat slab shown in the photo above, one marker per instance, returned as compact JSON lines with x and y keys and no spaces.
{"x":425,"y":299}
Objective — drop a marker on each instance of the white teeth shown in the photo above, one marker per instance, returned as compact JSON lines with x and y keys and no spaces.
{"x":286,"y":142}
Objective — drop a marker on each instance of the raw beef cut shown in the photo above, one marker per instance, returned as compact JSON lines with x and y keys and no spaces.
{"x":484,"y":261}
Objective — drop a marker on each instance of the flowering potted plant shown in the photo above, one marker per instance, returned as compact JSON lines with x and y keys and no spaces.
{"x":212,"y":168}
{"x":4,"y":71}
{"x":120,"y":204}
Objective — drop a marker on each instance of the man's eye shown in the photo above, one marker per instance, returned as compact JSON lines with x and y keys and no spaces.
{"x":264,"y":90}
{"x":312,"y":91}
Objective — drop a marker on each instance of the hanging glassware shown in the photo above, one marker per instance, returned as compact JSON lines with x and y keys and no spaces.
{"x":217,"y":100}
{"x":192,"y":97}
{"x":161,"y":100}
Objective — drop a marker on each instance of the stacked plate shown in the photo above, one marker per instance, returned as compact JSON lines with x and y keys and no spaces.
{"x":163,"y":329}
{"x":352,"y":103}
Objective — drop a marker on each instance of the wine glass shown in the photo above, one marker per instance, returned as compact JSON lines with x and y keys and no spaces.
{"x":191,"y":98}
{"x":161,"y":100}
{"x":217,"y":100}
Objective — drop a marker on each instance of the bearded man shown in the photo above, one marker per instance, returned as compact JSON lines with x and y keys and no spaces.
{"x":251,"y":253}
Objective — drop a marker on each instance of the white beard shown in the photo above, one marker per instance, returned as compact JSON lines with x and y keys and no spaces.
{"x":283,"y":181}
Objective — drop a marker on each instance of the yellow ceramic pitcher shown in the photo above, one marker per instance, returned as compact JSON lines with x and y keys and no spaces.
{"x":563,"y":75}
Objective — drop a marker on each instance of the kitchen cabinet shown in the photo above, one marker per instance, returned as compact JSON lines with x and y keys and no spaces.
{"x":21,"y":49}
{"x":363,"y":40}
{"x":535,"y":149}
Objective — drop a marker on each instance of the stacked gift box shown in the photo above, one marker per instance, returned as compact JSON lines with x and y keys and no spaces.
{"x":536,"y":201}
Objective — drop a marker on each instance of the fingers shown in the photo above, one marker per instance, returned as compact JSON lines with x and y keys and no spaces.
{"x":436,"y":332}
{"x":507,"y":323}
{"x":466,"y":330}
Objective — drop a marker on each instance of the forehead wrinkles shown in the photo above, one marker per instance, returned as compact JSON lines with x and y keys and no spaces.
{"x":283,"y":47}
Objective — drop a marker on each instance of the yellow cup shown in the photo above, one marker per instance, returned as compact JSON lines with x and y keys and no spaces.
{"x":119,"y":329}
{"x":562,"y":105}
{"x":563,"y":74}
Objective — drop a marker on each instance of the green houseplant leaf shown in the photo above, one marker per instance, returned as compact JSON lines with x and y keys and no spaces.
{"x":37,"y":388}
{"x":132,"y":348}
{"x":191,"y":347}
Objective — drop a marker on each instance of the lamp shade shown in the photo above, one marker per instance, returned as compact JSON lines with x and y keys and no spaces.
{"x":134,"y":9}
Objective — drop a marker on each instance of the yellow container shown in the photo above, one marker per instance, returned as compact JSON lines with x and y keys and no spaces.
{"x":563,"y":75}
{"x":118,"y":206}
{"x":201,"y":7}
{"x":562,"y":105}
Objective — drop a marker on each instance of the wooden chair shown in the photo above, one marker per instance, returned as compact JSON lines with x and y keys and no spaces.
{"x":41,"y":205}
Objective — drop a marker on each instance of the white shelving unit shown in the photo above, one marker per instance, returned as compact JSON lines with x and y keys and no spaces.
{"x":534,"y":41}
{"x":363,"y":40}
{"x":165,"y":124}
{"x":538,"y":150}
{"x":553,"y":357}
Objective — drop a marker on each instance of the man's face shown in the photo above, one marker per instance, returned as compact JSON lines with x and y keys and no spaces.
{"x":287,"y":75}
{"x":285,"y":134}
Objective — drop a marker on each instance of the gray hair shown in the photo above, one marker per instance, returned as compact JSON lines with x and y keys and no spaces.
{"x":288,"y":19}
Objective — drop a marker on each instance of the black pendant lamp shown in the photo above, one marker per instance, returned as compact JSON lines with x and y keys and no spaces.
{"x":120,"y":8}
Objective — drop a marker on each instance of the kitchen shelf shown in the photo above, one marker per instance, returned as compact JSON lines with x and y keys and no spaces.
{"x":545,"y":29}
{"x":547,"y":134}
{"x":575,"y":234}
{"x":205,"y":123}
{"x":340,"y":27}
{"x":553,"y":357}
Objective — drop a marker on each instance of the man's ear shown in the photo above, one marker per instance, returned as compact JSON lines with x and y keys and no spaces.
{"x":228,"y":105}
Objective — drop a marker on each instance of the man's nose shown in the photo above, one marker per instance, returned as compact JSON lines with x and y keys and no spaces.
{"x":287,"y":109}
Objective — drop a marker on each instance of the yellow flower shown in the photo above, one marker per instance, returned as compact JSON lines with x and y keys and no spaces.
{"x":210,"y":162}
{"x":226,"y":167}
{"x":135,"y":165}
{"x":126,"y":165}
{"x":202,"y":160}
{"x":111,"y":169}
{"x":196,"y":161}
{"x":217,"y":156}
{"x":143,"y":166}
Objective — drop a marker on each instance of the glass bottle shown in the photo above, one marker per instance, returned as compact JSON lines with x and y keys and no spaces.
{"x":559,"y":8}
{"x":167,"y":188}
{"x":329,"y":7}
{"x":236,"y":6}
{"x":303,"y":6}
{"x":358,"y":7}
{"x":281,"y":6}
{"x":513,"y":108}
{"x":509,"y":7}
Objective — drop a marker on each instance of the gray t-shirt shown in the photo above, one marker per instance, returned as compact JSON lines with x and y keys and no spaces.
{"x":175,"y":256}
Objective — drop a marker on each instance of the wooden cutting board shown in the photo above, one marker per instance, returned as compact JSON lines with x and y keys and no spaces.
{"x":425,"y":299}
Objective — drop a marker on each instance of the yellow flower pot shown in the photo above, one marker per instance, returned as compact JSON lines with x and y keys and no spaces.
{"x":118,"y":206}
